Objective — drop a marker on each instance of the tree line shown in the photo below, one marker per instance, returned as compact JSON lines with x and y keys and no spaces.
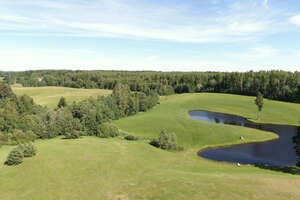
{"x":276,"y":85}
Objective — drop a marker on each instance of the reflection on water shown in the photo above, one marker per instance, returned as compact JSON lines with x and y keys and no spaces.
{"x":279,"y":152}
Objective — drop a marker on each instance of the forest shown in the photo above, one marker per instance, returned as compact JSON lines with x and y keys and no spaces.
{"x":276,"y":85}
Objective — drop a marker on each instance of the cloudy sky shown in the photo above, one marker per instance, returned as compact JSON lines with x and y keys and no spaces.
{"x":164,"y":35}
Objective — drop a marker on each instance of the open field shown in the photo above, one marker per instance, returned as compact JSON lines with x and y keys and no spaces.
{"x":93,"y":168}
{"x":49,"y":96}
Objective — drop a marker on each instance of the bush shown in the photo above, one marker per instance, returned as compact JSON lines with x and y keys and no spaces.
{"x":166,"y":141}
{"x":15,"y":157}
{"x":107,"y":130}
{"x":131,"y":137}
{"x":18,"y":137}
{"x":28,"y":149}
{"x":72,"y":135}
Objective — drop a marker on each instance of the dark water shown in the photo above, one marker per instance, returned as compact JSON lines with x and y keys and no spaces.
{"x":279,"y":152}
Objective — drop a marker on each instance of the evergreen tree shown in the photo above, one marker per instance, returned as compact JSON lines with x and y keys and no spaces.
{"x":15,"y":157}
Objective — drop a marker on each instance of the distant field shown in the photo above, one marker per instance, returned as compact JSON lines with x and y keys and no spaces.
{"x":49,"y":96}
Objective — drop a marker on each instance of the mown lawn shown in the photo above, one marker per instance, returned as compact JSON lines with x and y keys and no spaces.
{"x":93,"y":168}
{"x":49,"y":96}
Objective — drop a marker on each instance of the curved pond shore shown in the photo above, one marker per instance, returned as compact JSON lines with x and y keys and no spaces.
{"x":277,"y":152}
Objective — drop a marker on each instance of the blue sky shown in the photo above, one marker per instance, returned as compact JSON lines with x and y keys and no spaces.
{"x":164,"y":35}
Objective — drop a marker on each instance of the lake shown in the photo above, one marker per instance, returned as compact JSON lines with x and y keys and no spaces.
{"x":278,"y":152}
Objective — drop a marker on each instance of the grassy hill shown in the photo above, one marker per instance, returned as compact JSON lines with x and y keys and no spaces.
{"x":172,"y":114}
{"x":93,"y":168}
{"x":49,"y":96}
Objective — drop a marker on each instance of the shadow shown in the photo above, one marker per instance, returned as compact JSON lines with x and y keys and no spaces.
{"x":75,"y":138}
{"x":288,"y":170}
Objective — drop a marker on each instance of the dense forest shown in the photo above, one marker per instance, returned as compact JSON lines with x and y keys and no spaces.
{"x":277,"y":85}
{"x":21,"y":120}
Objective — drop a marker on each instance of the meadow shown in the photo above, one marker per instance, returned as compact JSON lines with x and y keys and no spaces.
{"x":94,"y":168}
{"x":49,"y":96}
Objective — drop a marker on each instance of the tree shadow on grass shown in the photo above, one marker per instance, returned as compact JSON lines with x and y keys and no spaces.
{"x":289,"y":170}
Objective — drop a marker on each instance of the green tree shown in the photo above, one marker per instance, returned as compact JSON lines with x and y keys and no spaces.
{"x":25,"y":104}
{"x":62,"y":102}
{"x":15,"y":157}
{"x":27,"y":149}
{"x":122,"y":95}
{"x":143,"y":103}
{"x":5,"y":91}
{"x":259,"y":101}
{"x":166,"y":141}
{"x":106,"y":130}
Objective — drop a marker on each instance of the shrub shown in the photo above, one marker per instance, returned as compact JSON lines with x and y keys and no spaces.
{"x":166,"y":141}
{"x":106,"y":130}
{"x":29,"y":150}
{"x":131,"y":137}
{"x":15,"y":157}
{"x":18,"y":137}
{"x":72,"y":135}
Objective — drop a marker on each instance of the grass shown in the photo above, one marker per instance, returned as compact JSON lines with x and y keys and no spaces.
{"x":172,"y":114}
{"x":93,"y":168}
{"x":49,"y":96}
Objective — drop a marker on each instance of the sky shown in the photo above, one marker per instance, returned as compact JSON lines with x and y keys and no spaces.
{"x":156,"y":35}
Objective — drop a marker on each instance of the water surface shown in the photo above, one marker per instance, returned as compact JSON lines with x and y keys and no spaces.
{"x":278,"y":152}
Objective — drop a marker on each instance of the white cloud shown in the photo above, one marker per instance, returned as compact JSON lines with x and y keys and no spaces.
{"x":137,"y":19}
{"x":215,"y":21}
{"x":295,"y":20}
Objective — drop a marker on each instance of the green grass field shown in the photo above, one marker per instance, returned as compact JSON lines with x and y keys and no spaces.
{"x":93,"y":168}
{"x":49,"y":96}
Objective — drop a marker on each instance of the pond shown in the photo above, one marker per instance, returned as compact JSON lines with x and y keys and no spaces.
{"x":278,"y":152}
